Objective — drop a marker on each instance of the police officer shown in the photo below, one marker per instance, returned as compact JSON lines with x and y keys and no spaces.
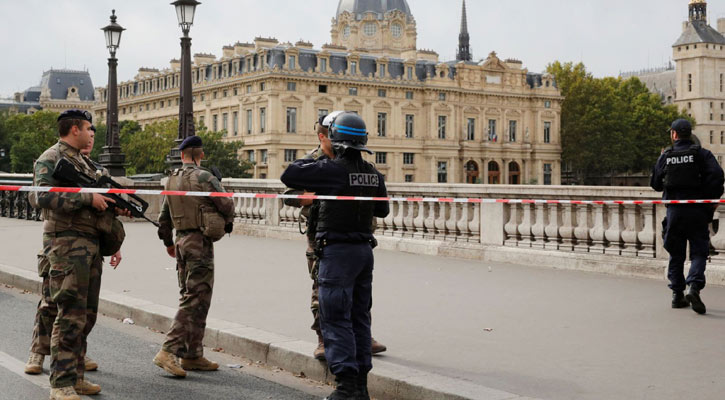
{"x":344,"y":243}
{"x":48,"y":310}
{"x":686,"y":171}
{"x":310,"y":209}
{"x":199,"y":221}
{"x":71,"y":236}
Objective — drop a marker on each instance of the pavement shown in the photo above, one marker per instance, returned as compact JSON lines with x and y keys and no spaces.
{"x":124,"y":354}
{"x":498,"y":330}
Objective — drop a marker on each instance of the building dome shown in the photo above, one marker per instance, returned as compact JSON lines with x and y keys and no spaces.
{"x":358,"y":7}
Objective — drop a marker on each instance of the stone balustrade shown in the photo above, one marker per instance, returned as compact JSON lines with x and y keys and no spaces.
{"x":631,"y":231}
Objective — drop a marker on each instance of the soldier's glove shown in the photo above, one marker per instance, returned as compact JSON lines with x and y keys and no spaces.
{"x":229,"y":227}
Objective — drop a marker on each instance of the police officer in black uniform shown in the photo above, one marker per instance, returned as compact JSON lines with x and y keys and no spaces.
{"x":686,"y":171}
{"x":345,"y":243}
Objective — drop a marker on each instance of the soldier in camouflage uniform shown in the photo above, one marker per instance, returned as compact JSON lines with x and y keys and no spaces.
{"x":310,"y":209}
{"x":71,"y":236}
{"x":48,"y":310}
{"x":198,"y":221}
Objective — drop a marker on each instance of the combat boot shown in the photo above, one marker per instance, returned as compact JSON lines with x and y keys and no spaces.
{"x":346,"y":388}
{"x":90,"y":364}
{"x":377,"y":347}
{"x":169,"y":363}
{"x":319,"y":352}
{"x":34,"y":366}
{"x":693,"y":296}
{"x":679,"y":300}
{"x":362,"y":387}
{"x":198,"y":364}
{"x":85,"y":387}
{"x":64,"y":393}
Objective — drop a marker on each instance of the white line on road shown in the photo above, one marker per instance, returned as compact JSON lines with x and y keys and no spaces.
{"x":17,"y":367}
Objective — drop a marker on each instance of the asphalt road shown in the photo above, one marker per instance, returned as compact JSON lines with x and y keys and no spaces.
{"x":124,"y":354}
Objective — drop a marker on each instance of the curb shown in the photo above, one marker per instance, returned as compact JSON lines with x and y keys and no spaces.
{"x":386,"y":380}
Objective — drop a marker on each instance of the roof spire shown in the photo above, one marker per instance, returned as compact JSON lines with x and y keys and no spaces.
{"x":464,"y":39}
{"x":698,"y":10}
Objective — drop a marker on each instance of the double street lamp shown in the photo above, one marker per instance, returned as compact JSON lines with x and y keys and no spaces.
{"x":112,"y":158}
{"x":185,"y":10}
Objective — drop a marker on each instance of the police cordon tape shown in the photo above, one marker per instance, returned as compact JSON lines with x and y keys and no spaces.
{"x":9,"y":188}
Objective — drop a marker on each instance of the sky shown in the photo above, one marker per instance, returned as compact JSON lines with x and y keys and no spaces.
{"x":609,"y":36}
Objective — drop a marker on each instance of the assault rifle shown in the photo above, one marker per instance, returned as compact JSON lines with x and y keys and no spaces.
{"x":66,"y":172}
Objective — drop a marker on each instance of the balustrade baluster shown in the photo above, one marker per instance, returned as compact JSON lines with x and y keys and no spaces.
{"x":462,"y":224}
{"x":398,"y":227}
{"x":430,"y":220}
{"x":581,"y":232}
{"x":630,"y":245}
{"x":409,"y":229}
{"x":613,"y":233}
{"x":649,"y":228}
{"x":552,"y":228}
{"x":440,"y":224}
{"x":597,"y":232}
{"x":451,"y":221}
{"x":524,"y":227}
{"x":539,"y":228}
{"x":475,"y":225}
{"x":566,"y":230}
{"x":511,"y":228}
{"x":419,"y":221}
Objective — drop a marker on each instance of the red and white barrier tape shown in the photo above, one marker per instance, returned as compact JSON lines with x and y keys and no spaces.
{"x":8,"y":188}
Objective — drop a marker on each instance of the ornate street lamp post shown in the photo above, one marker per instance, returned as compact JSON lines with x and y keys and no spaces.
{"x":185,"y":10}
{"x":112,"y":158}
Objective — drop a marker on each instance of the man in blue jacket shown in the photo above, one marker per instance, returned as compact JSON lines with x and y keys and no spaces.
{"x":686,"y":171}
{"x":345,"y":246}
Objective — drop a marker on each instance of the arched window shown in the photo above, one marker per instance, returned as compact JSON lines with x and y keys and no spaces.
{"x":494,"y":174}
{"x":472,"y":172}
{"x":514,"y":173}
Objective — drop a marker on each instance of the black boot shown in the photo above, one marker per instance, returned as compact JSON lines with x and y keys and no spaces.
{"x":362,"y":387}
{"x":679,"y":300}
{"x":693,"y":296}
{"x":346,"y":388}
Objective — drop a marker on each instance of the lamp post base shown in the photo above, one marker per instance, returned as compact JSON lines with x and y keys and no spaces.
{"x":113,"y":160}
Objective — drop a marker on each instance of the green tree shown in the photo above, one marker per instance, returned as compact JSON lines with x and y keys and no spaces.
{"x":30,"y":135}
{"x":609,"y":125}
{"x":146,"y":150}
{"x":224,"y":155}
{"x":5,"y":143}
{"x":99,"y":141}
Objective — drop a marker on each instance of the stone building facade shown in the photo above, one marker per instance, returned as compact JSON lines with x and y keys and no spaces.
{"x":59,"y":90}
{"x":487,"y":121}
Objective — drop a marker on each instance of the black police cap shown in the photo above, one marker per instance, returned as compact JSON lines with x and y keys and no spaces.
{"x":682,"y":126}
{"x":190,"y":143}
{"x":76,"y":114}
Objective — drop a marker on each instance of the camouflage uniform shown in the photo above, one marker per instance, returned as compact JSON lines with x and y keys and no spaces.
{"x":48,"y":310}
{"x":71,"y":239}
{"x":313,"y":261}
{"x":194,"y":262}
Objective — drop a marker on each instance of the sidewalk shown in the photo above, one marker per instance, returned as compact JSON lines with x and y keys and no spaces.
{"x":516,"y":329}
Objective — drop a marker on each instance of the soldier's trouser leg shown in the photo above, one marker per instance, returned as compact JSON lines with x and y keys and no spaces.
{"x":195,"y":265}
{"x":345,"y":278}
{"x":94,"y":292}
{"x":70,"y":260}
{"x":313,"y":265}
{"x":47,"y":310}
{"x":44,"y":318}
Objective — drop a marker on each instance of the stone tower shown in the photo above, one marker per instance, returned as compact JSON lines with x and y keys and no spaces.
{"x":700,"y":76}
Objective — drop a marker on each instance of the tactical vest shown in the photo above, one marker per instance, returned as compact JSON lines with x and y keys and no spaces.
{"x":193,"y":213}
{"x":682,"y":168}
{"x":84,"y":220}
{"x":351,"y":216}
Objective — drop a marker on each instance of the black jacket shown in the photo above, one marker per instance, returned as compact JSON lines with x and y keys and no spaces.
{"x":711,"y":175}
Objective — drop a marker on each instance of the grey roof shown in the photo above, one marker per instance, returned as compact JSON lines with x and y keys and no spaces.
{"x":33,"y":94}
{"x":380,"y":7}
{"x":699,"y":32}
{"x":60,"y":80}
{"x":662,"y":83}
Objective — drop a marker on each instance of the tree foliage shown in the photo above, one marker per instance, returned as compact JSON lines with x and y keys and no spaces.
{"x":29,"y":136}
{"x":609,"y":125}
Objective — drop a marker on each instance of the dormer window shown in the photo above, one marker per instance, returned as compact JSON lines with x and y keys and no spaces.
{"x":370,"y":28}
{"x":397,"y":30}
